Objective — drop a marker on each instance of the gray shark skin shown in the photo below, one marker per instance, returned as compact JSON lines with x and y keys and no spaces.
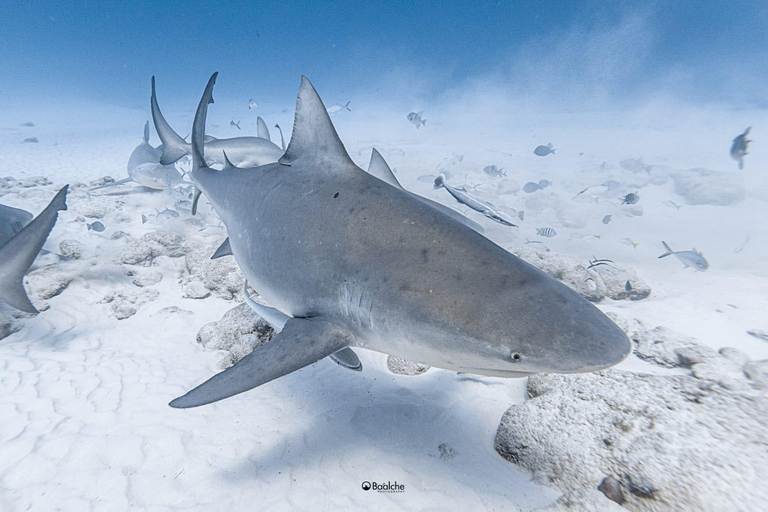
{"x":379,"y":168}
{"x":12,"y":221}
{"x":18,"y":253}
{"x":351,"y":261}
{"x":242,"y":151}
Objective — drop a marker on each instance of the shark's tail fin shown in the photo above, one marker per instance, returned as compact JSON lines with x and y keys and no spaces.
{"x":440,"y":181}
{"x":174,"y":146}
{"x":669,"y":251}
{"x":18,"y":254}
{"x":198,"y":135}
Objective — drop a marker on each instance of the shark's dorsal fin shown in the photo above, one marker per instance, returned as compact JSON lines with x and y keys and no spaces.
{"x":146,"y":132}
{"x":261,"y":129}
{"x":379,"y":168}
{"x":314,"y":138}
{"x":224,"y":250}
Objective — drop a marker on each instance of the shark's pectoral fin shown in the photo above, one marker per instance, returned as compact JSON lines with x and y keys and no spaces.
{"x":18,"y":254}
{"x":223,"y":250}
{"x":302,"y":342}
{"x":347,"y":359}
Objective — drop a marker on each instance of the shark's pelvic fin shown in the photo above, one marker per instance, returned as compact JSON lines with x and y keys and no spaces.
{"x":223,"y":250}
{"x":379,"y":168}
{"x":174,"y":146}
{"x":261,"y":129}
{"x":302,"y":341}
{"x":277,"y":319}
{"x":347,"y":358}
{"x":314,"y":138}
{"x":18,"y":254}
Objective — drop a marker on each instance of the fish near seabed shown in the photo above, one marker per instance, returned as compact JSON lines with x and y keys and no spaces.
{"x":347,"y":260}
{"x":544,"y":150}
{"x":692,"y":258}
{"x":18,"y":253}
{"x":463,"y":197}
{"x":244,"y":151}
{"x":740,"y":147}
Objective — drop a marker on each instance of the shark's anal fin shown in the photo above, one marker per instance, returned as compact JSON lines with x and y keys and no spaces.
{"x":261,"y":129}
{"x":347,"y":358}
{"x":18,"y":254}
{"x":277,"y":319}
{"x":223,"y":250}
{"x":302,"y":342}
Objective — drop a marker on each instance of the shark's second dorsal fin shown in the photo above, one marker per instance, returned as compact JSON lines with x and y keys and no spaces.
{"x":314,"y":138}
{"x":379,"y":168}
{"x":261,"y":129}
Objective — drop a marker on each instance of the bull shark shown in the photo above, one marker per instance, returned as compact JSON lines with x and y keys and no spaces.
{"x":347,"y":260}
{"x":242,"y":151}
{"x":12,"y":221}
{"x":144,"y":168}
{"x":19,"y":252}
{"x":379,"y":168}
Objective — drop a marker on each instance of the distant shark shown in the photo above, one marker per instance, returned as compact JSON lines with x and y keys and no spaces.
{"x":348,"y":260}
{"x":18,"y":252}
{"x":144,"y":168}
{"x":242,"y":151}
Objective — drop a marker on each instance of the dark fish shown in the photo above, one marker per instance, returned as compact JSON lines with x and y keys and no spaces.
{"x":630,"y":198}
{"x":96,"y":226}
{"x":531,"y":187}
{"x":606,"y":219}
{"x":544,"y":150}
{"x":740,"y":147}
{"x":235,"y":125}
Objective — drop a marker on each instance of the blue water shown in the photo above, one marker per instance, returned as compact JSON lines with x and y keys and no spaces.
{"x":710,"y":52}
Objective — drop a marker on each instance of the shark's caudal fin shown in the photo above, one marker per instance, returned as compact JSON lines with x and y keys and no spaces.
{"x":174,"y":146}
{"x":314,"y":138}
{"x":302,"y":342}
{"x":18,"y":254}
{"x":669,"y":251}
{"x":261,"y":129}
{"x":379,"y":168}
{"x":282,"y":139}
{"x":198,"y":125}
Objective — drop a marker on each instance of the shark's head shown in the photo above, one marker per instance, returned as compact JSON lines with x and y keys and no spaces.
{"x":534,"y":325}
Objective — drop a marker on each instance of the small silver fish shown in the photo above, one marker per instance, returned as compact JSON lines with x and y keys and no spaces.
{"x":335,"y":109}
{"x":494,"y":172}
{"x":531,"y":187}
{"x":689,"y":258}
{"x":546,"y":249}
{"x":672,"y":204}
{"x":606,"y":219}
{"x":631,"y":198}
{"x":740,"y":147}
{"x":96,"y":226}
{"x":416,"y":120}
{"x":544,"y":150}
{"x":548,"y":232}
{"x":235,"y":125}
{"x":252,"y":104}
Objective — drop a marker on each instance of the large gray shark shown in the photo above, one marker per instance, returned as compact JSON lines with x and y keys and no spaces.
{"x":144,"y":168}
{"x":379,"y":168}
{"x":12,"y":221}
{"x":347,"y":260}
{"x":242,"y":151}
{"x":19,"y":252}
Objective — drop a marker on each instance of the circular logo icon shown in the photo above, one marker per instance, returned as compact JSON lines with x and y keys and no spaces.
{"x":366,"y":486}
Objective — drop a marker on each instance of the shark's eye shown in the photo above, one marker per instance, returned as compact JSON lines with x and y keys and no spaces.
{"x":516,"y":357}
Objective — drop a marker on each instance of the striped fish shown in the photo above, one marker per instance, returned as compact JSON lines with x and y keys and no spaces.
{"x":548,"y":232}
{"x":630,"y":198}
